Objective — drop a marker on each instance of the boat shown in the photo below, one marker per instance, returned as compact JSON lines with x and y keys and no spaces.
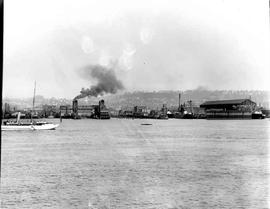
{"x":146,"y":124}
{"x":188,"y":115}
{"x":163,"y":116}
{"x":33,"y":125}
{"x":184,"y":115}
{"x":257,"y":115}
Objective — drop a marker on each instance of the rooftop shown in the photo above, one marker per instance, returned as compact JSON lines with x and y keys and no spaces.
{"x":226,"y":102}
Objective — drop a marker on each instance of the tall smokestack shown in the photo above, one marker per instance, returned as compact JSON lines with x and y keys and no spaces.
{"x":75,"y":108}
{"x":101,"y":104}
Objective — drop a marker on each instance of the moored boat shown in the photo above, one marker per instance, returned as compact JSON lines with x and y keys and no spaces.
{"x":257,"y":115}
{"x":21,"y":127}
{"x":33,"y":125}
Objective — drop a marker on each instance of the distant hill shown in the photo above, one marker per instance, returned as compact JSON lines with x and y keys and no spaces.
{"x":152,"y":100}
{"x":171,"y":98}
{"x":39,"y":101}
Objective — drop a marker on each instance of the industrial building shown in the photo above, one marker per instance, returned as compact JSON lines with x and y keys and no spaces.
{"x":47,"y":111}
{"x":231,"y":109}
{"x":66,"y":111}
{"x":90,"y":111}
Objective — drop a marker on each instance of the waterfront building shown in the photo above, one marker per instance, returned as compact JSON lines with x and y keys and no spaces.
{"x":90,"y":111}
{"x":6,"y":110}
{"x":65,"y":111}
{"x":48,"y":111}
{"x":237,"y":108}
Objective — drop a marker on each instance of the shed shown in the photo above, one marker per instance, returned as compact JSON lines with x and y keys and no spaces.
{"x":227,"y":104}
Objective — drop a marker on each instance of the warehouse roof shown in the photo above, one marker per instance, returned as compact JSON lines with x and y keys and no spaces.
{"x":225,"y":102}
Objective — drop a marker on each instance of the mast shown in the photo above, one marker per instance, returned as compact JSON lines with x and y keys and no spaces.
{"x":33,"y":108}
{"x":19,"y":118}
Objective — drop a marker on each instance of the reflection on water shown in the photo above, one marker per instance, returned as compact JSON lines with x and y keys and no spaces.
{"x":122,"y":164}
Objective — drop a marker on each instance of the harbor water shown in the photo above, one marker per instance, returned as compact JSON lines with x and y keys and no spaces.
{"x":121,"y":164}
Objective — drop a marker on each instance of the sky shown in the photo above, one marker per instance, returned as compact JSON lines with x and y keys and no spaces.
{"x":150,"y":45}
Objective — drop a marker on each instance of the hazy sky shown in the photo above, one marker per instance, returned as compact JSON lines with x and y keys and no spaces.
{"x":151,"y":45}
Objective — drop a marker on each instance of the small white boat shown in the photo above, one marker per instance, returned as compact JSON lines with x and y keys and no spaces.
{"x":21,"y":127}
{"x":34,"y":125}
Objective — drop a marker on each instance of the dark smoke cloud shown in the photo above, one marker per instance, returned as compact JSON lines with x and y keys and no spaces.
{"x":107,"y":81}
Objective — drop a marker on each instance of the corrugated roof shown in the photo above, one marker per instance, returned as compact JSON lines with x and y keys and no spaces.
{"x":226,"y":102}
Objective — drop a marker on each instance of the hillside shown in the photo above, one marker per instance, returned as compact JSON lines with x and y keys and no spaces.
{"x":171,"y":98}
{"x":151,"y":99}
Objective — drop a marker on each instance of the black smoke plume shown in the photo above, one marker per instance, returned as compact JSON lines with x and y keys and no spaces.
{"x":106,"y":81}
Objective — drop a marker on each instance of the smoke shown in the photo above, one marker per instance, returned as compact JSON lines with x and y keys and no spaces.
{"x":107,"y":81}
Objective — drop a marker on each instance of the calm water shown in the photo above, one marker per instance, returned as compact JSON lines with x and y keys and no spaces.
{"x":119,"y":163}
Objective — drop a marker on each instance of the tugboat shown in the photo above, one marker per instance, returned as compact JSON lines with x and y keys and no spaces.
{"x":188,"y":115}
{"x":183,"y":112}
{"x":170,"y":114}
{"x":257,"y":115}
{"x":163,"y":114}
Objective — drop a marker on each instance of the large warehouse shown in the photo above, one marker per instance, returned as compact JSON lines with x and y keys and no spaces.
{"x":90,"y":111}
{"x":236,"y":108}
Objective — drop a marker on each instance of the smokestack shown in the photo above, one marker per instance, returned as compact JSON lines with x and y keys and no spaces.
{"x":75,"y":108}
{"x":101,"y":104}
{"x":191,"y":107}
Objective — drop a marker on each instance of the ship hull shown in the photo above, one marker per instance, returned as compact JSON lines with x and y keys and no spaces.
{"x":28,"y":127}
